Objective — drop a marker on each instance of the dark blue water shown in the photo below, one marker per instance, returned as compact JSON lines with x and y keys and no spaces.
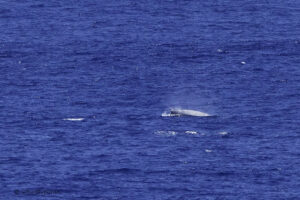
{"x":84,"y":85}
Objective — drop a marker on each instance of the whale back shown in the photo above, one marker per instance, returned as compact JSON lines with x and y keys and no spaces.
{"x":179,"y":112}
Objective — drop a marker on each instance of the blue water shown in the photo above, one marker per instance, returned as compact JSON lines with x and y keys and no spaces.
{"x":84,"y":85}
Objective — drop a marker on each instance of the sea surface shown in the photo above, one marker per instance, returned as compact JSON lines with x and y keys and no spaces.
{"x":84,"y":86}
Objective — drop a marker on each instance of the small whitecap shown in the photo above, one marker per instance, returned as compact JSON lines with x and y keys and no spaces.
{"x":168,"y":133}
{"x":191,"y":132}
{"x":219,"y":50}
{"x":208,"y":150}
{"x":74,"y":119}
{"x":243,"y":62}
{"x":223,"y":133}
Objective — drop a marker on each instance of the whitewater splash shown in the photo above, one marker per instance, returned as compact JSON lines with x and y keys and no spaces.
{"x":181,"y":112}
{"x":74,"y":119}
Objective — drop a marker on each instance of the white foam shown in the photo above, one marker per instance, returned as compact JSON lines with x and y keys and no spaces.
{"x":74,"y":119}
{"x":165,"y":114}
{"x":208,"y":150}
{"x":223,"y":133}
{"x":168,"y":133}
{"x":191,"y":132}
{"x":243,"y":62}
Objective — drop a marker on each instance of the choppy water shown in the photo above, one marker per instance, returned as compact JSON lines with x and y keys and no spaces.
{"x":84,"y":85}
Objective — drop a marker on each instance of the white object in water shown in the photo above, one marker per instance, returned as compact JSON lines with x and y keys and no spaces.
{"x":167,"y":133}
{"x":179,"y":112}
{"x":74,"y":119}
{"x":191,"y":132}
{"x":223,"y":133}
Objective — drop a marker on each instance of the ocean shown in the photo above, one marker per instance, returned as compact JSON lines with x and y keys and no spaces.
{"x":87,"y":89}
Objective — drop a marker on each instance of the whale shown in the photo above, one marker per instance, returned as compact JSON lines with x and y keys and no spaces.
{"x":186,"y":112}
